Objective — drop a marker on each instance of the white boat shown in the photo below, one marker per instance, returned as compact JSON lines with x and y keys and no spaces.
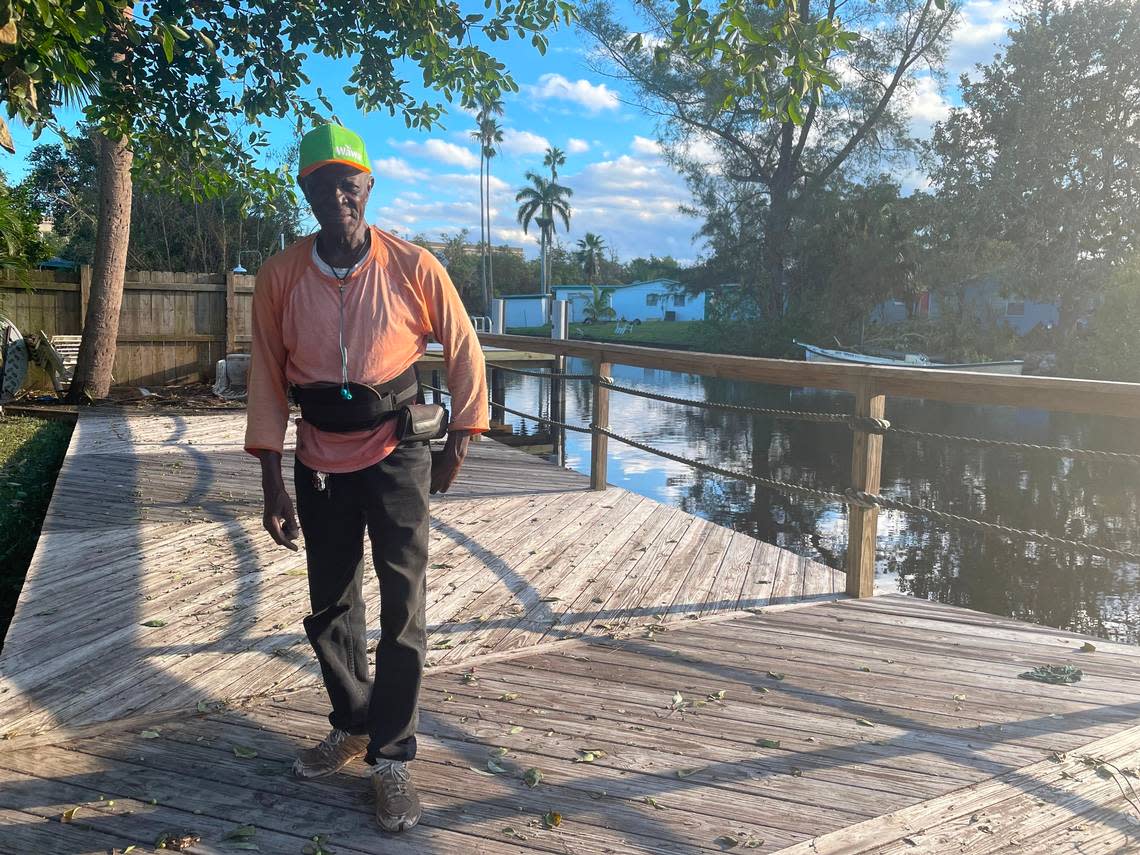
{"x":909,"y":360}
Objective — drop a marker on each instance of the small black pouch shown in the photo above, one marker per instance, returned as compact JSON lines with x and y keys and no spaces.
{"x":421,"y":422}
{"x":323,"y":406}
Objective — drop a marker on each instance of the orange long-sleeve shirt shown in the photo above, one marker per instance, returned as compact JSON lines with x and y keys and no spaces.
{"x":393,"y":302}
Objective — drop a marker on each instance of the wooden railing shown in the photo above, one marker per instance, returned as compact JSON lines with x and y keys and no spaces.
{"x":869,"y":384}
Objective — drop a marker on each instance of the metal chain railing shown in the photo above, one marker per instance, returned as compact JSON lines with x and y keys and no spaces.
{"x":858,"y":498}
{"x":519,"y":413}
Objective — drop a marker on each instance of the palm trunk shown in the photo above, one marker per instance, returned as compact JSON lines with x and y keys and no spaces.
{"x":92,"y":378}
{"x":490,"y":241}
{"x":542,"y":261}
{"x":482,"y":236}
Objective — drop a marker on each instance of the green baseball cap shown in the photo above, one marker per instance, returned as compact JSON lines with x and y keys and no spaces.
{"x":332,"y":144}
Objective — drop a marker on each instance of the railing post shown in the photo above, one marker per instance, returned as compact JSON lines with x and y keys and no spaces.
{"x":559,"y":331}
{"x":599,"y":442}
{"x":231,"y":313}
{"x":498,"y":385}
{"x":866,"y":469}
{"x":499,"y":317}
{"x":560,"y":320}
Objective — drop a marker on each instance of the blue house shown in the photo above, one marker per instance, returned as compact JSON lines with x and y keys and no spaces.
{"x":655,"y":300}
{"x":984,"y":301}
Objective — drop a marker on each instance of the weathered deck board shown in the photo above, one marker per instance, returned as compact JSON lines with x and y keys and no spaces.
{"x":157,"y":519}
{"x":877,"y":726}
{"x":855,"y":769}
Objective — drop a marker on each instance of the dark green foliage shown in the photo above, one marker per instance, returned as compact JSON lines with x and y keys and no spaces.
{"x":1109,"y":348}
{"x":1044,"y":155}
{"x":31,"y":452}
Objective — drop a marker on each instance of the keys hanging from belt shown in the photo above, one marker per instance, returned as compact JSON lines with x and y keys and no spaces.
{"x":321,"y":482}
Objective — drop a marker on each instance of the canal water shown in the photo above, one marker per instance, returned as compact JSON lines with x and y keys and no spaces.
{"x":1082,"y":500}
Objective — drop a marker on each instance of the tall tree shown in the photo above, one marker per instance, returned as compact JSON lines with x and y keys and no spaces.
{"x":169,"y":87}
{"x":554,"y":158}
{"x":646,"y":269}
{"x":485,"y":133}
{"x":854,"y":247}
{"x":591,"y":254}
{"x":539,"y":203}
{"x":492,"y":136}
{"x":1044,"y":154}
{"x":761,"y":104}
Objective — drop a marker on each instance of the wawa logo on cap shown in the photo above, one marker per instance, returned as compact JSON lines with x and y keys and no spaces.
{"x":332,"y":144}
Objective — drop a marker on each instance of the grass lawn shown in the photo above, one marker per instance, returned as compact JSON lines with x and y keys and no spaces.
{"x":31,"y":452}
{"x":685,"y":334}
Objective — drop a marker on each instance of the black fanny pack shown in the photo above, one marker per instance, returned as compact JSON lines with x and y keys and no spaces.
{"x":325,"y":407}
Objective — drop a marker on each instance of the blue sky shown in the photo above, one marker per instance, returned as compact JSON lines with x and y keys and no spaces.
{"x":623,"y":190}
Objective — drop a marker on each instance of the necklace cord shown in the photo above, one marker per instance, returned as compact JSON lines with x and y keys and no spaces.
{"x":345,"y":392}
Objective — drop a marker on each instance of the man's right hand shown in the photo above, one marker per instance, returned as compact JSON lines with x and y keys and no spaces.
{"x":279,"y":519}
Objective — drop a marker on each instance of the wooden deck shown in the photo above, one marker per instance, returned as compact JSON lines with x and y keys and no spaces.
{"x":566,"y":626}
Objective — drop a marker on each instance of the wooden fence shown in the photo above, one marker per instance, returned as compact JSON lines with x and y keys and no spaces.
{"x":173,"y":327}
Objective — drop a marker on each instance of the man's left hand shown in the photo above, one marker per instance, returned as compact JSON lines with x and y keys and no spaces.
{"x":445,"y":464}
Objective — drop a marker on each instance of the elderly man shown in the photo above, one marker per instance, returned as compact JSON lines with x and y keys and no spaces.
{"x":339,"y":320}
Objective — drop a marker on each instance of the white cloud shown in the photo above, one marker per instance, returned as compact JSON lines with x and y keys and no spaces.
{"x":516,"y":142}
{"x":468,"y":184}
{"x":912,"y":180}
{"x":926,"y":105}
{"x":633,"y":203}
{"x":439,"y":151}
{"x":645,"y":147}
{"x":649,"y":41}
{"x":431,"y":217}
{"x":595,"y":97}
{"x":411,"y":212}
{"x":702,"y":150}
{"x":577,"y":146}
{"x":697,"y":148}
{"x":397,"y":168}
{"x":512,"y":235}
{"x":982,"y":25}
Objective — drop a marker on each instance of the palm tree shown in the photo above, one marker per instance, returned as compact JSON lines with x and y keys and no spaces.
{"x":485,"y":124}
{"x":539,"y":203}
{"x":554,"y":158}
{"x":590,"y":251}
{"x":492,"y":136}
{"x":598,"y":308}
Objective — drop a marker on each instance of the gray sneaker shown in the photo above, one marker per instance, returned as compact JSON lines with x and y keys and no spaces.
{"x":330,"y":755}
{"x":397,"y":802}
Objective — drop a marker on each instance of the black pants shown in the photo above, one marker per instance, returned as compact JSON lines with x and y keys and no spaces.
{"x":390,"y":500}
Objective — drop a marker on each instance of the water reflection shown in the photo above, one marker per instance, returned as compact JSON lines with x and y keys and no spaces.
{"x":1087,"y":500}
